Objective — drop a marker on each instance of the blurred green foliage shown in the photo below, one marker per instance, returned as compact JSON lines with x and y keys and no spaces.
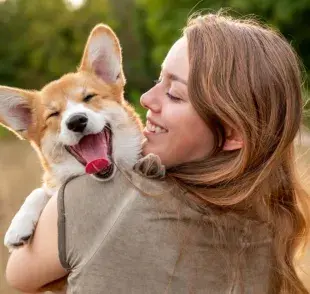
{"x":41,"y":40}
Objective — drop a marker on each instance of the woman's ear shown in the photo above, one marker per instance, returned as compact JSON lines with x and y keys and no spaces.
{"x":233,"y":140}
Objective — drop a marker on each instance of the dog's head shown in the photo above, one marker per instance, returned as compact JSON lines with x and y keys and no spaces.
{"x":81,"y":122}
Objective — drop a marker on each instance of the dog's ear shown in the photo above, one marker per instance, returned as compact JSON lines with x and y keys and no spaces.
{"x":15,"y":109}
{"x":102,"y":55}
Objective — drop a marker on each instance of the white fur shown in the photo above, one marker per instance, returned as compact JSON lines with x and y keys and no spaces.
{"x":63,"y":164}
{"x":24,"y":222}
{"x":95,"y":124}
{"x":126,"y":139}
{"x":126,"y":145}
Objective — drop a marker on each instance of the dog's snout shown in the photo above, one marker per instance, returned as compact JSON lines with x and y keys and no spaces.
{"x":77,"y":122}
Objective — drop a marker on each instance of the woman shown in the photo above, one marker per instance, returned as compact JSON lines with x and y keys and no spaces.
{"x":226,"y":110}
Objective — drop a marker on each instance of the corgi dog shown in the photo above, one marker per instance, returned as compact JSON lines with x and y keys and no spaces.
{"x":78,"y":124}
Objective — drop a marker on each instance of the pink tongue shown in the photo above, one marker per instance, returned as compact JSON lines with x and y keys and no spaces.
{"x":96,"y":165}
{"x":94,"y":150}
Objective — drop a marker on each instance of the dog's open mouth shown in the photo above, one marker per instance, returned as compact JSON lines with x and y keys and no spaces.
{"x":94,"y":151}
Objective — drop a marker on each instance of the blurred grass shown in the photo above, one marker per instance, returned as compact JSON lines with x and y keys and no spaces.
{"x":3,"y":132}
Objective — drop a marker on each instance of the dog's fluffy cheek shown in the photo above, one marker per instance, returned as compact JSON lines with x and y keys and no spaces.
{"x":127,"y":138}
{"x":57,"y":159}
{"x":67,"y":168}
{"x":51,"y":149}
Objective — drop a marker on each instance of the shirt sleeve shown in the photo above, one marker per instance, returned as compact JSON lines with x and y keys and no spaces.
{"x":62,"y":227}
{"x":87,"y":210}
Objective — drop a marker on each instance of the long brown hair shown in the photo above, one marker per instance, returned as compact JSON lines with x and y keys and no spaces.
{"x":247,"y":76}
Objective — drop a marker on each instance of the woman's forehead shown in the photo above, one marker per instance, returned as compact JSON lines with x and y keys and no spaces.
{"x":176,"y":61}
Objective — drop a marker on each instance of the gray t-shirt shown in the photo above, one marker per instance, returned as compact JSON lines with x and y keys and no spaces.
{"x":112,"y":239}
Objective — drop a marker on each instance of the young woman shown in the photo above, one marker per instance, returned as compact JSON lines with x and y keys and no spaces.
{"x":222,"y":118}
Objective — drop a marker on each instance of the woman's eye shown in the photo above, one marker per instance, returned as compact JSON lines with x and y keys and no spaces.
{"x":56,"y":113}
{"x":89,"y":97}
{"x":173,"y":98}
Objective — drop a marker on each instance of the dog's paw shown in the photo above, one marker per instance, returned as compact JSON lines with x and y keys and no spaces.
{"x":150,"y":166}
{"x":19,"y":232}
{"x":25,"y":220}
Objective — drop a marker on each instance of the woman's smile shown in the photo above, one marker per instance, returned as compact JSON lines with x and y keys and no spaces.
{"x":174,"y":130}
{"x":153,"y":128}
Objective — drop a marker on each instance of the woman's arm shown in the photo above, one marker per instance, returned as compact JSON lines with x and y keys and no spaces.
{"x":36,"y":264}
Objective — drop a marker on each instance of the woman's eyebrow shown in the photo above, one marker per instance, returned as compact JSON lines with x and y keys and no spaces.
{"x":174,"y":77}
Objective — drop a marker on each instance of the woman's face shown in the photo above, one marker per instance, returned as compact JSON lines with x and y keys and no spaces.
{"x":174,"y":130}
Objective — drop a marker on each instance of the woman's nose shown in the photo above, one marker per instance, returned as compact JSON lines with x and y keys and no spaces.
{"x":150,"y":100}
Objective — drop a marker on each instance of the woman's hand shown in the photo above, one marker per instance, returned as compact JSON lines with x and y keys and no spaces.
{"x":36,"y":264}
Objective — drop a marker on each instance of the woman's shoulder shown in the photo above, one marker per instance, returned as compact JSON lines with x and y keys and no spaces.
{"x":155,"y":194}
{"x":87,"y":184}
{"x":147,"y":174}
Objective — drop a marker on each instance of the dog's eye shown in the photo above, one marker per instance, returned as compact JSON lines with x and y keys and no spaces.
{"x":56,"y":113}
{"x":88,"y":97}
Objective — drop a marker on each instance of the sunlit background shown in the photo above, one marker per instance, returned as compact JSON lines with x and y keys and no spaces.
{"x":76,"y":4}
{"x":43,"y":39}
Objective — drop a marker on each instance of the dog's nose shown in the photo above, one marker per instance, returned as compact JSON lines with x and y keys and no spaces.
{"x":77,"y":122}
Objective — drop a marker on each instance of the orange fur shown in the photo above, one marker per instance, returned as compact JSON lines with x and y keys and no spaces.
{"x":71,"y":87}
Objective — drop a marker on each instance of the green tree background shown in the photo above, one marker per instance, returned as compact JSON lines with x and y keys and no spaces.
{"x":41,"y":40}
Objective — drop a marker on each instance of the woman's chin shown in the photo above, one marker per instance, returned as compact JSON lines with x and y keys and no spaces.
{"x":147,"y":147}
{"x":146,"y":151}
